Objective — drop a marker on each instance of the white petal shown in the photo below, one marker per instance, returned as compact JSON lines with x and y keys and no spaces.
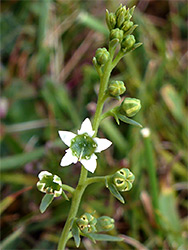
{"x":68,"y":158}
{"x":66,"y":137}
{"x":102,"y":144}
{"x":86,"y":127}
{"x":43,"y":173}
{"x":58,"y":193}
{"x":90,"y":164}
{"x":57,"y":180}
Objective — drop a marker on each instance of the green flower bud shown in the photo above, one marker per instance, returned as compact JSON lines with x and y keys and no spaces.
{"x":49,"y":184}
{"x":118,"y":11}
{"x":110,"y":20}
{"x":102,"y":55}
{"x":116,"y":88}
{"x":131,"y":11}
{"x":128,"y":42}
{"x":90,"y":218}
{"x":130,"y":106}
{"x":104,"y":224}
{"x":121,"y":15}
{"x":127,"y":25}
{"x":116,"y":33}
{"x":87,"y":223}
{"x":123,"y":179}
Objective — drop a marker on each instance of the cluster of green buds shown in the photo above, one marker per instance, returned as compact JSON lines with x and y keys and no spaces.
{"x":49,"y":184}
{"x":87,"y":223}
{"x":123,"y":179}
{"x":121,"y":26}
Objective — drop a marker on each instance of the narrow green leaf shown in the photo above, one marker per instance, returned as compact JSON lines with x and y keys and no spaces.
{"x":17,"y":161}
{"x":125,"y":119}
{"x":136,"y":45}
{"x":173,"y":101}
{"x":10,"y":239}
{"x":93,"y":23}
{"x":6,"y":203}
{"x":130,"y":30}
{"x":76,"y":234}
{"x":115,"y":192}
{"x":105,"y":237}
{"x":89,"y":236}
{"x":65,"y":196}
{"x":116,"y":117}
{"x":46,"y":200}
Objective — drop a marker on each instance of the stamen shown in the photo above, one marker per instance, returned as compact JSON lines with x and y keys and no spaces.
{"x":81,"y":153}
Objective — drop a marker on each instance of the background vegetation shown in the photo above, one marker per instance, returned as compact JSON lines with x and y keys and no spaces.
{"x":48,"y":83}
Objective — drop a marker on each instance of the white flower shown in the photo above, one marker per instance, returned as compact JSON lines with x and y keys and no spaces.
{"x":49,"y":183}
{"x":83,"y":146}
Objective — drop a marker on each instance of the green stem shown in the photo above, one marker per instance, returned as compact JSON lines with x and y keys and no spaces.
{"x":95,"y":179}
{"x":105,"y":115}
{"x":77,"y":195}
{"x":103,"y":85}
{"x":120,"y":54}
{"x":68,"y":188}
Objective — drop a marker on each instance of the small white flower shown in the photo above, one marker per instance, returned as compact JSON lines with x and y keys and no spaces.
{"x":82,"y":147}
{"x":49,"y":183}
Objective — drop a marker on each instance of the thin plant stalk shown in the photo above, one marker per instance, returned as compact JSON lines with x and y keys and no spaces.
{"x":151,"y":168}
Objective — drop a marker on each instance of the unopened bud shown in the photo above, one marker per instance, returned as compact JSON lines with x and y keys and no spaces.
{"x":123,"y":179}
{"x":121,"y":16}
{"x":127,"y":25}
{"x":128,"y":42}
{"x":102,"y":56}
{"x":116,"y":88}
{"x":104,"y":224}
{"x":87,"y":223}
{"x":130,"y":106}
{"x":116,"y":33}
{"x":110,"y":20}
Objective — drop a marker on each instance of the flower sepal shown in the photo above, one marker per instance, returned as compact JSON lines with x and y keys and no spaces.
{"x":76,"y":233}
{"x":45,"y":202}
{"x":113,"y":190}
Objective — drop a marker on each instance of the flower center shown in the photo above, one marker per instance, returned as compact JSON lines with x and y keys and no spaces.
{"x":83,"y":146}
{"x":50,"y":186}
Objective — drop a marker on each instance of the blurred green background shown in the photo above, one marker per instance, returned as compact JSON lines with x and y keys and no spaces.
{"x":48,"y":84}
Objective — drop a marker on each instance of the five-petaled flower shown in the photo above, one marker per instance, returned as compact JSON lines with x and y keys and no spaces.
{"x":82,"y":147}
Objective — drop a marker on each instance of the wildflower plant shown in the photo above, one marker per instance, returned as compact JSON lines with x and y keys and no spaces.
{"x":85,"y":145}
